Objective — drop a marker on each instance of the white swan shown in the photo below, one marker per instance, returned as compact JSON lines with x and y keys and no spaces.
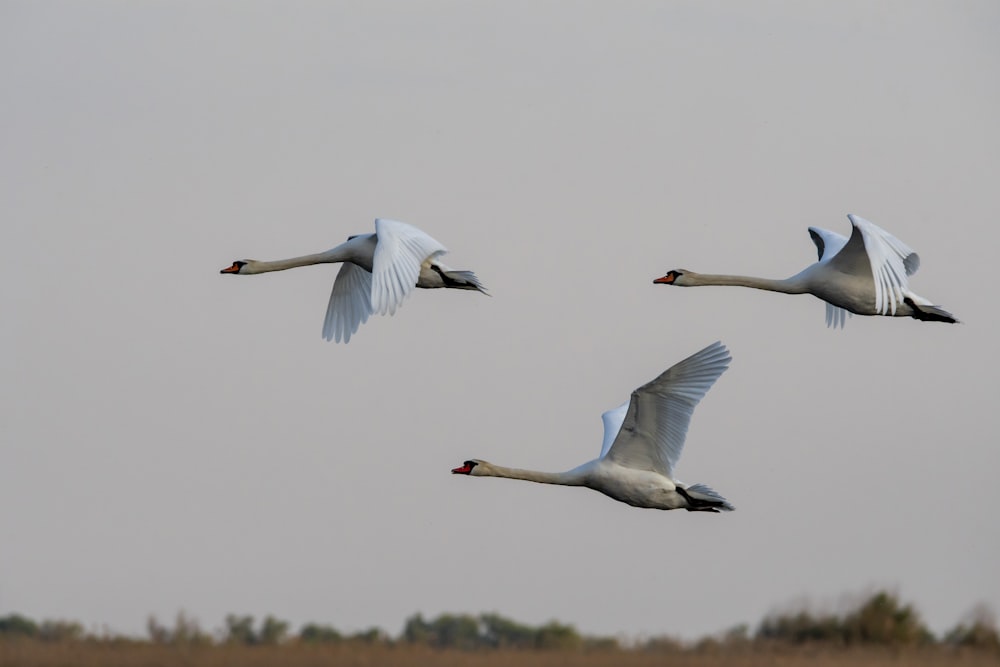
{"x":643,"y":440}
{"x":379,"y":271}
{"x":865,"y":275}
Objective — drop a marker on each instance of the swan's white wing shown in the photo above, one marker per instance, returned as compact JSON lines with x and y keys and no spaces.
{"x":350,"y":303}
{"x":892,"y":245}
{"x":659,"y":412}
{"x":836,"y":316}
{"x":888,"y":259}
{"x":827,"y":243}
{"x":399,"y":252}
{"x":613,"y":420}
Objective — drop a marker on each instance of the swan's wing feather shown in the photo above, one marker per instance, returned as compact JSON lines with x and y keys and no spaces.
{"x":659,"y":412}
{"x":892,"y":246}
{"x":399,"y":252}
{"x":888,"y":258}
{"x":818,"y":240}
{"x":350,"y":303}
{"x":852,"y":258}
{"x":873,"y":251}
{"x":613,"y":420}
{"x":836,"y":316}
{"x":827,"y":243}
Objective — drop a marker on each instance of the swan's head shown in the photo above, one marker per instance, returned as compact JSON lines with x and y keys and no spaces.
{"x":239,"y":266}
{"x":467,"y":468}
{"x":671,"y":278}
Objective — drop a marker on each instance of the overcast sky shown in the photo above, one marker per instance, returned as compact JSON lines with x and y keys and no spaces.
{"x":173,"y":439}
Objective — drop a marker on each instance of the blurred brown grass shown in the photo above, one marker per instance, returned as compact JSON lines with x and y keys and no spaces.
{"x":31,"y":653}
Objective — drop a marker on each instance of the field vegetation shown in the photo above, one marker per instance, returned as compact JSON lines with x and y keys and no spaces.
{"x":878,"y":631}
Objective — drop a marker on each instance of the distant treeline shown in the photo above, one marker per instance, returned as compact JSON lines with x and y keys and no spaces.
{"x":879,"y":620}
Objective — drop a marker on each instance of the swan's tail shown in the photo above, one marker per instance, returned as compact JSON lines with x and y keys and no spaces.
{"x":701,"y":498}
{"x":928,"y":313}
{"x":463,"y":280}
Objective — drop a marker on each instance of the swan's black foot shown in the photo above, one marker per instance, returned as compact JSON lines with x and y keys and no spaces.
{"x":930,"y":313}
{"x":698,"y":504}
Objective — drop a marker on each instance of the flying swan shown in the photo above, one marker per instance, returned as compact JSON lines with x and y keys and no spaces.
{"x":643,"y":440}
{"x":379,"y":271}
{"x":865,"y":275}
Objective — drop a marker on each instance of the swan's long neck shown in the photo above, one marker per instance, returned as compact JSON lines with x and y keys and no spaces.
{"x":793,"y":285}
{"x":573,"y":477}
{"x":338,"y":254}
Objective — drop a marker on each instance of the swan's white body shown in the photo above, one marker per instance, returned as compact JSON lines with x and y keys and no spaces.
{"x":379,"y":271}
{"x":643,"y":441}
{"x":865,"y":274}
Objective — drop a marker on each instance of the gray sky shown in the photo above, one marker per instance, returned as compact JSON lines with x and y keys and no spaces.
{"x":176,"y":439}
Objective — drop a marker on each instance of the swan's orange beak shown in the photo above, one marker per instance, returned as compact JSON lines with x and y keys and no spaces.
{"x":666,"y":280}
{"x":464,"y":470}
{"x":235,"y":268}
